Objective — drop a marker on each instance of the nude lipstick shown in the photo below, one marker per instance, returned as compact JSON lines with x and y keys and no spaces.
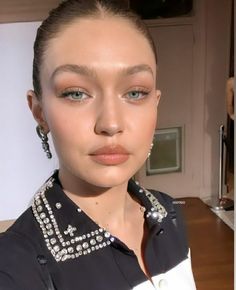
{"x":110,"y":155}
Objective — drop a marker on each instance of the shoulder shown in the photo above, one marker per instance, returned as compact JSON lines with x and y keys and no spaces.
{"x":18,"y":239}
{"x":171,"y":205}
{"x":23,"y":238}
{"x":19,"y":266}
{"x":167,"y":201}
{"x":23,"y":229}
{"x":162,"y":197}
{"x":175,"y":219}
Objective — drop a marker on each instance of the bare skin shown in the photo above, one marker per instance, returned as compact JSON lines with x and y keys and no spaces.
{"x":100,"y":93}
{"x":130,"y":228}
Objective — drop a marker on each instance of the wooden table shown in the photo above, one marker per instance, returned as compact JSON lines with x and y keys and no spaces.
{"x":212,"y":246}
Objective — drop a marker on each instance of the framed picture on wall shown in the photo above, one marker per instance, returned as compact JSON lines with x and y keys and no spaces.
{"x":166,"y":154}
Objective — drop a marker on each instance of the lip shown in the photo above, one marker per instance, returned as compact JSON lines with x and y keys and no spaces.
{"x":110,"y":155}
{"x":111,"y":149}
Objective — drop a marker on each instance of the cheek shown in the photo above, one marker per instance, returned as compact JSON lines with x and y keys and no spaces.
{"x":145,"y":124}
{"x":67,"y":125}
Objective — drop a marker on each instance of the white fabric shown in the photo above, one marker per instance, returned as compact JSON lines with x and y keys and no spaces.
{"x":179,"y":277}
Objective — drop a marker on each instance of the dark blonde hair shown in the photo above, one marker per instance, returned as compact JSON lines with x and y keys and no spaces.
{"x":68,"y":12}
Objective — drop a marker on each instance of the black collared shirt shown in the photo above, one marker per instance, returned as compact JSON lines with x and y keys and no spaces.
{"x":55,"y":245}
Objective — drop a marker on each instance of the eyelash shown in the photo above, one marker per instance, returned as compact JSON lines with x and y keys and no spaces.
{"x":71,"y":93}
{"x":141,"y":92}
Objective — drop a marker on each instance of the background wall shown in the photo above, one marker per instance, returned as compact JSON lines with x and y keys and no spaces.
{"x":23,"y":166}
{"x":25,"y":10}
{"x":193,"y":69}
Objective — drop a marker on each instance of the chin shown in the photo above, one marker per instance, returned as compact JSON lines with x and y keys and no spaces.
{"x":110,"y":181}
{"x":104,"y":176}
{"x":111,"y":178}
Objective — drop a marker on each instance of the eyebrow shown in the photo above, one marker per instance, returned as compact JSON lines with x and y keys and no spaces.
{"x":137,"y":68}
{"x":77,"y":69}
{"x":90,"y":72}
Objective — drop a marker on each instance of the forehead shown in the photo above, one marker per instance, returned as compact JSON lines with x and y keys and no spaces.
{"x":99,"y":42}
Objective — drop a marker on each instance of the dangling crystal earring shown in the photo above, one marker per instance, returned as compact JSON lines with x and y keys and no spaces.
{"x":44,"y":139}
{"x":150,"y":151}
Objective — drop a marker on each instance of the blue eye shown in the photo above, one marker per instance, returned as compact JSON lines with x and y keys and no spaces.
{"x":74,"y":95}
{"x":136,"y":95}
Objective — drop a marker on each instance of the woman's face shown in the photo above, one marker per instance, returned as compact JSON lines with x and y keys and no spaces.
{"x":99,"y":99}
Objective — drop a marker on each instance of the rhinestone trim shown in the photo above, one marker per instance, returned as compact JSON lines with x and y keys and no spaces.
{"x":65,"y":244}
{"x":58,"y":205}
{"x":157,"y":211}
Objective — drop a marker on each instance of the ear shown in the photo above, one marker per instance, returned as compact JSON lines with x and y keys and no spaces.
{"x":35,"y":106}
{"x":158,"y":96}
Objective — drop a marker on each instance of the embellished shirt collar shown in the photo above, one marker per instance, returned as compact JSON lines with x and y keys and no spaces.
{"x":68,"y":232}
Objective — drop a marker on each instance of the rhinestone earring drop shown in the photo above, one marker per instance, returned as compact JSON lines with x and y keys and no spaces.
{"x":150,"y":151}
{"x":44,"y":139}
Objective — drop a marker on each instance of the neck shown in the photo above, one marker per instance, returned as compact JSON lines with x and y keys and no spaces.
{"x":108,"y":207}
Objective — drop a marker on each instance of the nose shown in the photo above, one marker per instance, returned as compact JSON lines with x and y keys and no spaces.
{"x":110,"y":119}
